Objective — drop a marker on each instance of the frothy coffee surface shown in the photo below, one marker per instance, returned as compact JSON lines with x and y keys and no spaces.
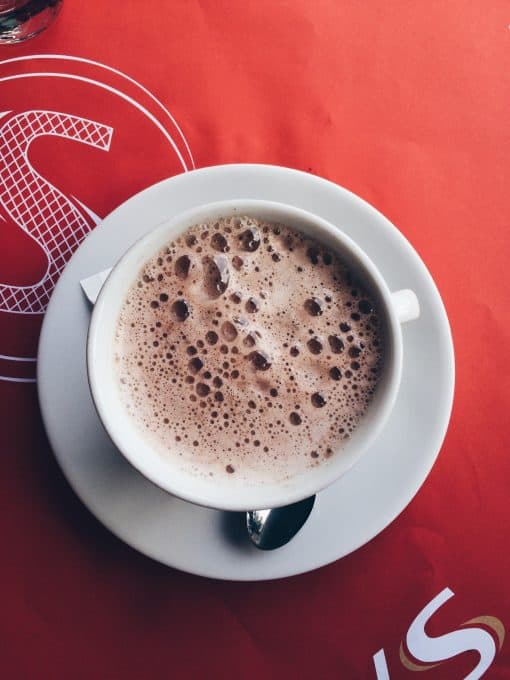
{"x":246,"y":348}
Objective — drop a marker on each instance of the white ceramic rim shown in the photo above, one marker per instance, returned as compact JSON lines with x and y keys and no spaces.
{"x":203,"y":491}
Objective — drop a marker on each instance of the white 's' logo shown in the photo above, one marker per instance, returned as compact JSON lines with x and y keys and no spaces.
{"x":49,"y":217}
{"x":77,"y":138}
{"x":431,"y":651}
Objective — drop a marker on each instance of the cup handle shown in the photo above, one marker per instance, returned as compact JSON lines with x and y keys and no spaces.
{"x":92,"y":285}
{"x":406,"y":305}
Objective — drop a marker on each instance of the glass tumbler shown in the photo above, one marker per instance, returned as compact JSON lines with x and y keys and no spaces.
{"x":23,"y":19}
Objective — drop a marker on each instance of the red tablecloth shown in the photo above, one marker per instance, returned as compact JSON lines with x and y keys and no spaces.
{"x":407,"y":104}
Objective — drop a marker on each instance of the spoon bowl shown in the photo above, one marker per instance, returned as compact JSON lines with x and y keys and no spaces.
{"x":274,"y":528}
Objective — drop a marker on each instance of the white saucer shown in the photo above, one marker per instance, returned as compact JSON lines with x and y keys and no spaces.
{"x":208,"y":542}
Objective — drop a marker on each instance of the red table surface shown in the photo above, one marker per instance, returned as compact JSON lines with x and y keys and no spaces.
{"x":407,"y":104}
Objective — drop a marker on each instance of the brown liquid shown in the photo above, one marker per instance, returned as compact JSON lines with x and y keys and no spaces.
{"x":246,"y":348}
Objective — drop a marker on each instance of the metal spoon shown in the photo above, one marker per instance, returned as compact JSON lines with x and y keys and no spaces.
{"x":270,"y":529}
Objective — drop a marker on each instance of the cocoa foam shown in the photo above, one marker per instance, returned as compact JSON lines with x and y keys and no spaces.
{"x":246,"y":348}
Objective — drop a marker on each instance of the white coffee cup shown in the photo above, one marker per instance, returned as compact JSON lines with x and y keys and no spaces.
{"x":232,"y":493}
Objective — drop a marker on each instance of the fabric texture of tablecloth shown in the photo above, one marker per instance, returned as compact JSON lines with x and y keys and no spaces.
{"x":405,"y":103}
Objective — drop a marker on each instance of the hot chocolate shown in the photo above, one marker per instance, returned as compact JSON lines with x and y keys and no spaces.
{"x":246,"y":348}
